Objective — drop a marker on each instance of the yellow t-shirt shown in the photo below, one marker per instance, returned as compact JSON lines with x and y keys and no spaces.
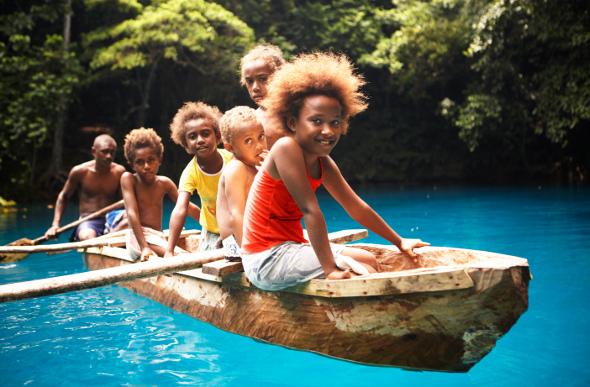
{"x":193,"y":178}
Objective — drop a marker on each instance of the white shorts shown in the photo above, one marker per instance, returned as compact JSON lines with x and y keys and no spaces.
{"x":284,"y":265}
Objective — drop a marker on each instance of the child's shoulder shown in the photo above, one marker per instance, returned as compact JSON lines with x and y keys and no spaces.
{"x":127,"y":176}
{"x":227,"y":155}
{"x":163,"y":179}
{"x":235,"y":167}
{"x":285,"y":144}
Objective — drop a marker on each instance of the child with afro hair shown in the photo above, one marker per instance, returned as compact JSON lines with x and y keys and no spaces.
{"x":143,"y":193}
{"x":196,"y":128}
{"x":312,"y":98}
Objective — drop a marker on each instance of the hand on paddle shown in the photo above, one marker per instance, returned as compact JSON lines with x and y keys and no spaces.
{"x":52,"y":232}
{"x":408,"y":246}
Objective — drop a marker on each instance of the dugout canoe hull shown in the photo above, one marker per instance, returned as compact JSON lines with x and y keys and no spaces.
{"x":421,"y":317}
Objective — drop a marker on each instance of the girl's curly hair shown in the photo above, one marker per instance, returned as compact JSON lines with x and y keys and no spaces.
{"x":319,"y":73}
{"x":193,"y":111}
{"x":272,"y":55}
{"x":142,"y":138}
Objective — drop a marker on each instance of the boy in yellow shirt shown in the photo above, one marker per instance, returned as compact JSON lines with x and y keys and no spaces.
{"x":196,"y":127}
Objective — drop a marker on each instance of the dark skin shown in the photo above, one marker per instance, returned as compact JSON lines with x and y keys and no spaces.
{"x":97,"y":183}
{"x":316,"y":130}
{"x":202,"y":140}
{"x":144,"y":193}
{"x":248,"y":146}
{"x":256,"y":74}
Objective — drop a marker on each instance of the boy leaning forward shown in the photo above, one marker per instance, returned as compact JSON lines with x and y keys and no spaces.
{"x":196,"y":127}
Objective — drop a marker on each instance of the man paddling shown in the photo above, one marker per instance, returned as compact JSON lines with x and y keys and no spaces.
{"x":98,"y":185}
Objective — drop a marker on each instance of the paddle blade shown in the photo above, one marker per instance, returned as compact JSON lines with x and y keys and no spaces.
{"x":13,"y":257}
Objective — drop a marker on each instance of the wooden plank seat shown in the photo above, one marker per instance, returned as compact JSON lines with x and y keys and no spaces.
{"x":222,"y":267}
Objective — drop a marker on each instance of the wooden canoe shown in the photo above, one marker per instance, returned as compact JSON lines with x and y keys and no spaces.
{"x":443,"y":314}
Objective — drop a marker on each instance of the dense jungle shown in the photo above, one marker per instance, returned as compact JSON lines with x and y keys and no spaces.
{"x":460,"y":92}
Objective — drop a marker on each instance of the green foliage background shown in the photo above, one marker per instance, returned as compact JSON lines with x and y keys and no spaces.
{"x":460,"y":91}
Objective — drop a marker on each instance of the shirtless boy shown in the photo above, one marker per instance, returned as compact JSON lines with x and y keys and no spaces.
{"x":243,"y":135}
{"x":256,"y":68}
{"x":97,"y":183}
{"x":144,"y":192}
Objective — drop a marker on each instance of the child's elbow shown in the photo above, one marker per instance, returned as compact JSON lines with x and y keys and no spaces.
{"x":311,"y":212}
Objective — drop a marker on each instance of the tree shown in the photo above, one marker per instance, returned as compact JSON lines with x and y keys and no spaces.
{"x":530,"y":74}
{"x":191,"y":33}
{"x":37,"y":80}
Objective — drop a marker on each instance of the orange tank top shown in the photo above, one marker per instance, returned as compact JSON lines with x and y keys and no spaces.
{"x":272,"y":216}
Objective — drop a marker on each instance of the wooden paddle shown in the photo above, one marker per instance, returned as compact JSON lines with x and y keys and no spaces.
{"x":6,"y":257}
{"x":116,"y":238}
{"x":154,"y":267}
{"x":104,"y":277}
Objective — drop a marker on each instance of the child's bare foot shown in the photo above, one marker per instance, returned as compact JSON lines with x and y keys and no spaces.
{"x":339,"y":275}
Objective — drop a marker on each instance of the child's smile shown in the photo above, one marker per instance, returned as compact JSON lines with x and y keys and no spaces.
{"x":201,"y":138}
{"x":319,"y":126}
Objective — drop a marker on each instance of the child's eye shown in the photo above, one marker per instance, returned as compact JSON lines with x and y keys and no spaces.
{"x":336,"y":122}
{"x":263,"y":79}
{"x":248,"y":141}
{"x":316,"y":121}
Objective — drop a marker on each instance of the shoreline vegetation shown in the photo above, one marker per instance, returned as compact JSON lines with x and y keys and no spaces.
{"x":459,"y":92}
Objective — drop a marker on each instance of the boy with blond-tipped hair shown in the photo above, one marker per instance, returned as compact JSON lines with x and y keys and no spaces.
{"x":143,"y":193}
{"x":243,"y":135}
{"x":196,"y":127}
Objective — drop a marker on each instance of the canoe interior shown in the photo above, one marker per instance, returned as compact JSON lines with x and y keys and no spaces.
{"x":444,"y":313}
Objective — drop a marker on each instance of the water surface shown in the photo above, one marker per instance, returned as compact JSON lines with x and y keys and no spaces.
{"x":111,"y":336}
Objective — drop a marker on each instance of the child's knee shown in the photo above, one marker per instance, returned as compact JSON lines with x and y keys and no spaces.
{"x":362,"y":256}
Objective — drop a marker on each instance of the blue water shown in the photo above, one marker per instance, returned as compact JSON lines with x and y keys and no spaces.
{"x":110,"y":336}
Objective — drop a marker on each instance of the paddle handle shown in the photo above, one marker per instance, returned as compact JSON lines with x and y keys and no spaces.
{"x":94,"y":279}
{"x":70,"y":226}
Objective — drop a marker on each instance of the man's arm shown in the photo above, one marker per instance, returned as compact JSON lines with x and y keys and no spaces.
{"x":74,"y":178}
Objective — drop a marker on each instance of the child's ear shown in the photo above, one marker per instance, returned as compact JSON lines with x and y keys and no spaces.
{"x":218,"y":136}
{"x":291,"y":123}
{"x":228,"y":147}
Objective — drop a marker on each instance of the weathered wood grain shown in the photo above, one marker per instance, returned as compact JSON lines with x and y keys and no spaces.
{"x":421,"y":324}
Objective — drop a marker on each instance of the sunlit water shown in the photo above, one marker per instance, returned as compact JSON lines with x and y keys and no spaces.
{"x":110,"y":336}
